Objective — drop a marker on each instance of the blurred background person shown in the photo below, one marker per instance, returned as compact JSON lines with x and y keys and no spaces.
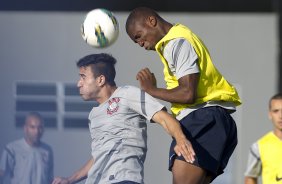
{"x":28,"y":160}
{"x":265,"y":154}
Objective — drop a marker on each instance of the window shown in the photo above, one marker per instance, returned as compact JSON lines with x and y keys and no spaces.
{"x":59,"y":103}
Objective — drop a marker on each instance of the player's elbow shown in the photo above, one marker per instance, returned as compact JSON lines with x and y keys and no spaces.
{"x":189,"y":98}
{"x":187,"y":95}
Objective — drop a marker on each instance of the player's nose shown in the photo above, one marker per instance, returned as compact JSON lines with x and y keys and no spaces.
{"x":141,"y":43}
{"x":78,"y":84}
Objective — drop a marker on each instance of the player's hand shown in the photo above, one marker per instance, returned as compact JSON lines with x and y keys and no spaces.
{"x":146,"y":79}
{"x":61,"y":180}
{"x":184,"y":148}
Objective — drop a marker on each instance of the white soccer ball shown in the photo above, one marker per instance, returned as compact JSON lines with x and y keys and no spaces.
{"x":100,"y":28}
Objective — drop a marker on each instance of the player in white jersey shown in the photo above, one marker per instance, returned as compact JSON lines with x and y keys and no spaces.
{"x":118,"y":126}
{"x":28,"y":160}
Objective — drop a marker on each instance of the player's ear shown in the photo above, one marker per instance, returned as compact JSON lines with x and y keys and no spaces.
{"x":270,"y":115}
{"x":101,"y":80}
{"x":152,"y":21}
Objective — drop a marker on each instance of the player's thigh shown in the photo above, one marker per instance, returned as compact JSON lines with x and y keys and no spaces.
{"x":186,"y":173}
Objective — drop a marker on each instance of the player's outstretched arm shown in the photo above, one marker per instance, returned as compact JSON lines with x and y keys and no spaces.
{"x":185,"y":92}
{"x":171,"y":125}
{"x":79,"y":175}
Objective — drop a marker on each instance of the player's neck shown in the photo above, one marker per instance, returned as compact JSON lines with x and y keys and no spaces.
{"x":32,"y":143}
{"x":278,"y":133}
{"x":106,"y":92}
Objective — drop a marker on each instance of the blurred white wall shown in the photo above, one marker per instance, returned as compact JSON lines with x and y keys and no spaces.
{"x":44,"y":46}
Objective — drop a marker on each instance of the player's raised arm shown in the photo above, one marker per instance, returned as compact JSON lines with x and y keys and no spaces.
{"x":172,"y":126}
{"x":79,"y":175}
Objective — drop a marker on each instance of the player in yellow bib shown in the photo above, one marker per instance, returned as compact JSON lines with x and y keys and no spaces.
{"x":201,"y":98}
{"x":265,"y":155}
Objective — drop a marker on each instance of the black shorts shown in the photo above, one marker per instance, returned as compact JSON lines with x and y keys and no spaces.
{"x":213,"y":134}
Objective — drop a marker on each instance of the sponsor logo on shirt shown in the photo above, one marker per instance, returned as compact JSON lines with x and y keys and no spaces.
{"x":278,"y":178}
{"x":45,"y":157}
{"x":113,"y":106}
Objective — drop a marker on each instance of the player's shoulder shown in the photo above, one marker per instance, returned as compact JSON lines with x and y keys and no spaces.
{"x":267,"y":137}
{"x":175,"y":43}
{"x":46,"y":146}
{"x":15,"y":143}
{"x":254,"y":150}
{"x":254,"y":146}
{"x":130,"y":88}
{"x":128,"y":92}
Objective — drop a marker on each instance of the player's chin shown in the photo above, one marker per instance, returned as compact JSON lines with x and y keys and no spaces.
{"x":87,"y":98}
{"x":84,"y":97}
{"x":149,"y":48}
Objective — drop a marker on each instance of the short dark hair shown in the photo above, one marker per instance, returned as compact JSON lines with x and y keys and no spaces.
{"x":36,"y":115}
{"x":277,"y":96}
{"x":101,"y":64}
{"x":140,"y":13}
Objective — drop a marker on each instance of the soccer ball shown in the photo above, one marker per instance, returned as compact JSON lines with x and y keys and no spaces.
{"x":100,"y":28}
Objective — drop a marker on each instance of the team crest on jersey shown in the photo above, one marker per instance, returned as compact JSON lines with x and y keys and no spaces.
{"x":44,"y":157}
{"x":113,"y":106}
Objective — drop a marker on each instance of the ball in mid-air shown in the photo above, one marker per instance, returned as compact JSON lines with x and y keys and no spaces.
{"x":100,"y":28}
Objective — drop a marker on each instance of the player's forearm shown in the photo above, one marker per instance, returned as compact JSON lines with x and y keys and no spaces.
{"x":183,"y":146}
{"x":184,"y":93}
{"x":173,"y":127}
{"x":175,"y":95}
{"x":169,"y":124}
{"x":250,"y":180}
{"x":76,"y":177}
{"x":81,"y":174}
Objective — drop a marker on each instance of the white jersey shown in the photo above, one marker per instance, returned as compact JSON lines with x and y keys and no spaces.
{"x":181,"y":57}
{"x":23,"y":164}
{"x":119,"y":136}
{"x":254,"y":166}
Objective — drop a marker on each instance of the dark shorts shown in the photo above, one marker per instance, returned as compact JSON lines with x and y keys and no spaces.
{"x":126,"y":182}
{"x":213,"y":134}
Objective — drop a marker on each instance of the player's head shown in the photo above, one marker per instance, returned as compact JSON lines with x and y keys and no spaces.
{"x":145,"y":27}
{"x":101,"y":64}
{"x":275,"y":111}
{"x":33,"y":128}
{"x":96,"y":71}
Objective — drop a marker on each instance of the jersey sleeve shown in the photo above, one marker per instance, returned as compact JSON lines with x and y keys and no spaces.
{"x":143,"y":103}
{"x":254,"y":166}
{"x":181,"y":57}
{"x":51,"y":166}
{"x":7,"y":162}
